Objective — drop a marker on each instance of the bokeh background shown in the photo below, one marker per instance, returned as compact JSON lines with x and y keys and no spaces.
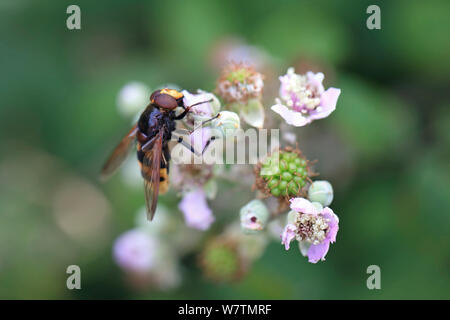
{"x":385,"y":148}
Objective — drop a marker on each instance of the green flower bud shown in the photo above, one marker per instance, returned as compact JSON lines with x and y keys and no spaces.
{"x":221,"y":261}
{"x":254,"y":216}
{"x":321,"y":191}
{"x":226,"y":124}
{"x":253,"y":246}
{"x":318,"y":206}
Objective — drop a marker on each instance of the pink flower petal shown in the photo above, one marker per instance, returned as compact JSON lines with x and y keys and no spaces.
{"x":135,"y":251}
{"x":303,"y":205}
{"x":315,"y":80}
{"x":327,"y":105}
{"x":333,"y":223}
{"x":202,"y":109}
{"x":288,"y":235}
{"x":318,"y":252}
{"x":291,"y":117}
{"x":195,"y":209}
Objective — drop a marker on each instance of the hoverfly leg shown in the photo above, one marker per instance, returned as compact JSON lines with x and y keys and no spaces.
{"x":187,"y":145}
{"x":187,"y":109}
{"x":191,"y":148}
{"x":205,"y":122}
{"x":211,"y":139}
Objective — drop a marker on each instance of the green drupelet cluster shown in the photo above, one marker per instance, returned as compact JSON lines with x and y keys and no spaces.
{"x":285,"y":173}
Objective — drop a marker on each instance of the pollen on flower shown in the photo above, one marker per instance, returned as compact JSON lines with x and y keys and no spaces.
{"x":299,"y":93}
{"x":311,"y":228}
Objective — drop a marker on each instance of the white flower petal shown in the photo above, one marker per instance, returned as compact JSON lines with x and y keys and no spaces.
{"x":291,"y":117}
{"x":304,"y":206}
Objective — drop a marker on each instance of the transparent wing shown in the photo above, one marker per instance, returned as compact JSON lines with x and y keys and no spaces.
{"x":151,"y":166}
{"x":119,"y":154}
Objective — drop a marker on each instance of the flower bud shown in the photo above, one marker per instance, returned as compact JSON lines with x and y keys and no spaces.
{"x":221,"y":261}
{"x":322,"y":192}
{"x":254,"y":216}
{"x":133,"y":98}
{"x":253,"y":245}
{"x":318,"y":206}
{"x":226,"y":124}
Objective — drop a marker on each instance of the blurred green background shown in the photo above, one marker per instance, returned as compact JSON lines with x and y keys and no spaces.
{"x":385,"y":149}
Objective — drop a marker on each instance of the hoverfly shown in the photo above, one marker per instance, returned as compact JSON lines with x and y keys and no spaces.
{"x":153,"y":131}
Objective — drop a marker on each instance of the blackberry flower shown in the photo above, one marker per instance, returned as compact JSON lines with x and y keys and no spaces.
{"x":241,"y":87}
{"x":239,"y":83}
{"x":303,"y":98}
{"x":202,"y":111}
{"x":195,"y":208}
{"x":313,"y":226}
{"x":135,"y":251}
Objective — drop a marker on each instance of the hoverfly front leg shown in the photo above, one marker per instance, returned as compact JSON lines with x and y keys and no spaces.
{"x":187,"y":109}
{"x":205,"y":122}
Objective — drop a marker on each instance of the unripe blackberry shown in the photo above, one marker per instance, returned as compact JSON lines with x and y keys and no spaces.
{"x":284,"y":174}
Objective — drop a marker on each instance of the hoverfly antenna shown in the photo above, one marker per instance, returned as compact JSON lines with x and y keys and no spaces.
{"x":196,"y":104}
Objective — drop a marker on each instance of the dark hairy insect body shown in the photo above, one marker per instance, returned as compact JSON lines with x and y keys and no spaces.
{"x":150,"y":123}
{"x":153,"y":131}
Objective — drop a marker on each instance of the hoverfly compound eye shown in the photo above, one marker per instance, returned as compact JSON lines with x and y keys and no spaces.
{"x":154,"y":94}
{"x":165,"y":101}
